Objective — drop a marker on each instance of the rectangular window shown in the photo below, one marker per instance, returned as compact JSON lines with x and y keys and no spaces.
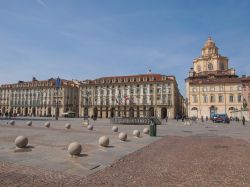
{"x":239,"y":98}
{"x":195,"y":99}
{"x":231,"y":98}
{"x":158,"y":90}
{"x":220,"y":98}
{"x":212,"y":98}
{"x":205,"y":100}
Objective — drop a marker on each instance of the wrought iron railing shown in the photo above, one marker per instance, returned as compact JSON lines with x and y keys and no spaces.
{"x":134,"y":120}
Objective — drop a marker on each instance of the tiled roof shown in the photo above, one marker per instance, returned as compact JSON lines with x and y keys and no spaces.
{"x":39,"y":83}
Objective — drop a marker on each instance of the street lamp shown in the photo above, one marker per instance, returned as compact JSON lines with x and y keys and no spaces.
{"x":86,"y":104}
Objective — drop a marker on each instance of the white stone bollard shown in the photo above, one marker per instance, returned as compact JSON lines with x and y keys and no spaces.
{"x":29,"y":123}
{"x":122,"y":136}
{"x":12,"y":122}
{"x":136,"y":133}
{"x":104,"y":141}
{"x":146,"y":130}
{"x":21,"y":141}
{"x":115,"y":129}
{"x":67,"y":126}
{"x":74,"y":148}
{"x":47,"y":124}
{"x":90,"y":127}
{"x":85,"y":123}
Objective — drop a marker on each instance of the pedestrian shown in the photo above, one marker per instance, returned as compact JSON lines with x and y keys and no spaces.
{"x":243,"y":120}
{"x":202,"y":120}
{"x":166,"y":119}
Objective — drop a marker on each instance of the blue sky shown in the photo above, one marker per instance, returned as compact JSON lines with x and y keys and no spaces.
{"x":87,"y":39}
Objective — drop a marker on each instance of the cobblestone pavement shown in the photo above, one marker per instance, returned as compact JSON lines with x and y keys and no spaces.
{"x":17,"y":175}
{"x":181,"y":161}
{"x":203,"y":154}
{"x":170,"y":161}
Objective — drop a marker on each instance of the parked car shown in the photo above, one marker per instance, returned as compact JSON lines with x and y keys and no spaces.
{"x":221,"y":118}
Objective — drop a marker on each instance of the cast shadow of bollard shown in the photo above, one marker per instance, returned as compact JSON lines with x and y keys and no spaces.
{"x":25,"y":149}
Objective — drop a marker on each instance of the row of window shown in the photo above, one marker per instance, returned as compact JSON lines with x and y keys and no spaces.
{"x":220,"y":98}
{"x":217,"y":88}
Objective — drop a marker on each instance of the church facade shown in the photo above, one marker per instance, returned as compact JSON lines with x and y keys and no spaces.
{"x":212,"y":86}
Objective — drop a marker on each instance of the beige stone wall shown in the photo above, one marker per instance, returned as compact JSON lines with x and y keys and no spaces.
{"x":225,"y":104}
{"x":37,"y":99}
{"x":153,"y":98}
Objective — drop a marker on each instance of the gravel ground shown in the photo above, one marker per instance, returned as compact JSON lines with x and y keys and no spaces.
{"x":171,"y":161}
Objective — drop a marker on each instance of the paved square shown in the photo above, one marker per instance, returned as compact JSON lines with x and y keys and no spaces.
{"x":48,"y":146}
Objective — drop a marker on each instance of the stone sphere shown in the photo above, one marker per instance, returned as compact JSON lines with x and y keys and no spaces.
{"x":123,"y":136}
{"x":67,"y":126}
{"x":85,"y":123}
{"x":104,"y":141}
{"x":21,"y":141}
{"x":90,"y":127}
{"x":47,"y":124}
{"x":115,"y":128}
{"x":74,"y":148}
{"x":136,"y":133}
{"x":146,"y":130}
{"x":29,"y":123}
{"x":12,"y":122}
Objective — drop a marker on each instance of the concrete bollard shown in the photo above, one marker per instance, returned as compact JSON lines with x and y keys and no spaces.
{"x":12,"y":122}
{"x":29,"y":123}
{"x":90,"y":127}
{"x":74,"y":149}
{"x":122,"y":136}
{"x":47,"y":124}
{"x":115,"y":129}
{"x":67,"y":126}
{"x":21,"y":141}
{"x":104,"y":141}
{"x":146,"y":130}
{"x":136,"y":133}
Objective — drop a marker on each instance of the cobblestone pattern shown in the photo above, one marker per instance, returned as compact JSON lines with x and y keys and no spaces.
{"x":16,"y":175}
{"x":171,"y":161}
{"x":179,"y":161}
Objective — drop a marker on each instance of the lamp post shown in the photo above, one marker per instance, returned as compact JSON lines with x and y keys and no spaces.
{"x":86,"y":104}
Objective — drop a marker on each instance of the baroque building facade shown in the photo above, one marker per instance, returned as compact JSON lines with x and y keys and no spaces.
{"x":212,"y":86}
{"x":246,"y":95}
{"x":130,"y":96}
{"x":38,"y":98}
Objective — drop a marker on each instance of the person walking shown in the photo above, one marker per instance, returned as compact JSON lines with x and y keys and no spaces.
{"x":243,"y":120}
{"x":166,"y":119}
